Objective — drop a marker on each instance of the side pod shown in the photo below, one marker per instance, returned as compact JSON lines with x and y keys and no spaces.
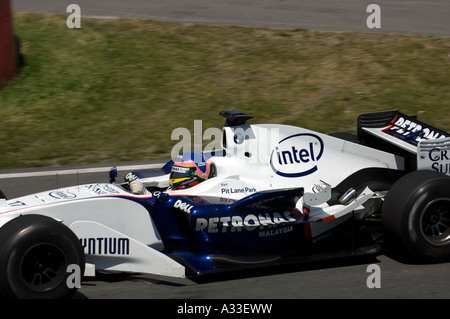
{"x":101,"y":243}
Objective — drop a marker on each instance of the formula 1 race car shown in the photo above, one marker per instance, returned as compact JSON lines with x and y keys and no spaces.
{"x":270,"y":194}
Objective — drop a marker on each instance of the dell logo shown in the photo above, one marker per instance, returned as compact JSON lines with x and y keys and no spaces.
{"x":297,"y":155}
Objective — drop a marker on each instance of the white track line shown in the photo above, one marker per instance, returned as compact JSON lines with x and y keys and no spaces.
{"x":79,"y":171}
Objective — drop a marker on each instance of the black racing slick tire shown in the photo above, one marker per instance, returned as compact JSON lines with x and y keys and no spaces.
{"x":35,"y":252}
{"x":416,"y":215}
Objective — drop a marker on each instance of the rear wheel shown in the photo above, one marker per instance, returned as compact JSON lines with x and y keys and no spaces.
{"x":35,"y":252}
{"x":416,"y":215}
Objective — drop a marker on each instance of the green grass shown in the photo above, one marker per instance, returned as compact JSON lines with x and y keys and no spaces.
{"x":114,"y":90}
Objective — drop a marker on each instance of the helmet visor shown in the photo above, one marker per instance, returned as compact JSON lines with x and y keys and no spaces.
{"x":181,"y":172}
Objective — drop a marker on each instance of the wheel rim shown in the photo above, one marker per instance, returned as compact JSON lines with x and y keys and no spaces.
{"x":435,"y":222}
{"x":42,"y":267}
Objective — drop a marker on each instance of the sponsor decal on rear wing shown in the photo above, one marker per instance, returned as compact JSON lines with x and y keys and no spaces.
{"x":434,"y":155}
{"x":396,"y":128}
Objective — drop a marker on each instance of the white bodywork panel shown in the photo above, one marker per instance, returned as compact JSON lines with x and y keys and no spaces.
{"x":280,"y":156}
{"x":117,"y":234}
{"x":95,"y":202}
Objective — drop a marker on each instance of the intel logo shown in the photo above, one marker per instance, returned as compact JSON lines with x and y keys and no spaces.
{"x":297,"y":155}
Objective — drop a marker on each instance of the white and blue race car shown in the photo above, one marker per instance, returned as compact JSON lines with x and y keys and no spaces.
{"x":272,"y":194}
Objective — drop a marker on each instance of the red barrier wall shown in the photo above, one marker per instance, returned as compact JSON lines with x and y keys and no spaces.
{"x":8,"y":57}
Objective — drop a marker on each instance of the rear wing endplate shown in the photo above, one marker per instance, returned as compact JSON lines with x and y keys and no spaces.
{"x":434,"y":155}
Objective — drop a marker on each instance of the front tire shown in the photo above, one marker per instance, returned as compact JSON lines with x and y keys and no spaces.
{"x":416,"y":215}
{"x":35,"y":252}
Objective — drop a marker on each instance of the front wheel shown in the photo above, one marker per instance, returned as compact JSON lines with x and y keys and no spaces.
{"x":35,"y":252}
{"x":416,"y":215}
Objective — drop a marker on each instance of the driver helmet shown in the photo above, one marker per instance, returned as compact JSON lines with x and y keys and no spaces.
{"x":188,"y":170}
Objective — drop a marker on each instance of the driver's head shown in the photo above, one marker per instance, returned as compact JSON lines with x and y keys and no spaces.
{"x":188,"y":170}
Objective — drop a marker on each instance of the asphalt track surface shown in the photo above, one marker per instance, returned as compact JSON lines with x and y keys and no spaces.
{"x":337,"y":279}
{"x":342,"y":279}
{"x":425,"y":17}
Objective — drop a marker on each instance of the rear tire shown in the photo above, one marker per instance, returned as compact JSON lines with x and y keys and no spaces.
{"x":416,"y":215}
{"x":35,"y":252}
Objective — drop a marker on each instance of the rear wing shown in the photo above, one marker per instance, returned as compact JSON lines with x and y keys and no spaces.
{"x":397,"y":133}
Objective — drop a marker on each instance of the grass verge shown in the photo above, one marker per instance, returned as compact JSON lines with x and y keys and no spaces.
{"x":114,"y":90}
